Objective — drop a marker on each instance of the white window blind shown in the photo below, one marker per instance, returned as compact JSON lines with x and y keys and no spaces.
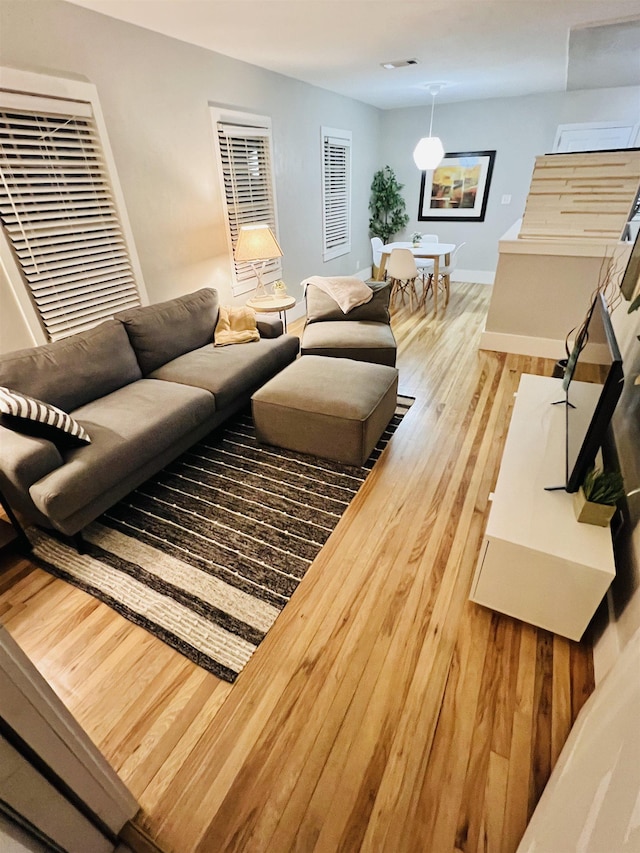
{"x":249,"y":191}
{"x":336,"y":192}
{"x":59,"y":215}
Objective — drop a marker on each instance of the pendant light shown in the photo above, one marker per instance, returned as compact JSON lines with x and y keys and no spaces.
{"x":429,"y":152}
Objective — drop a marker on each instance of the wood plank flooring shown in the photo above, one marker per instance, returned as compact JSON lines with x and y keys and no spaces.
{"x":384,"y":711}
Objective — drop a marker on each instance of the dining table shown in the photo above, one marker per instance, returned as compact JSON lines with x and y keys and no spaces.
{"x":435,"y":251}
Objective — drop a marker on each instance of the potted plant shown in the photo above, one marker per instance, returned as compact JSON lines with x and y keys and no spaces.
{"x":416,"y":237}
{"x":386,"y":205}
{"x":595,"y":501}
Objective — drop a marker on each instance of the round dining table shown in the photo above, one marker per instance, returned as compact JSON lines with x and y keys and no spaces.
{"x":435,"y":251}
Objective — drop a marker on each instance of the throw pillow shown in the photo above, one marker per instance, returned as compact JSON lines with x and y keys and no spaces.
{"x":40,"y":420}
{"x":347,"y":290}
{"x":235,"y":326}
{"x":321,"y":306}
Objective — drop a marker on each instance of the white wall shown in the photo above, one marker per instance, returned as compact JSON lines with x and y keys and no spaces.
{"x":155,"y":93}
{"x":591,"y":803}
{"x":518,"y":129}
{"x":625,"y":589}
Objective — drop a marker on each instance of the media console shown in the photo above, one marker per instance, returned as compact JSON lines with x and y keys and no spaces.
{"x":537,"y":563}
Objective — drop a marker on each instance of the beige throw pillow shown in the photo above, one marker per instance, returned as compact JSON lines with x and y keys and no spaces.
{"x":235,"y":326}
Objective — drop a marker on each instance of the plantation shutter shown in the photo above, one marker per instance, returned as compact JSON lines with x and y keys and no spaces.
{"x":336,"y":193}
{"x":58,"y":213}
{"x":247,"y":173}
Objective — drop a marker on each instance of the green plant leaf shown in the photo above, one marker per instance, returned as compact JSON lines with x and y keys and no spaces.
{"x":603,"y":487}
{"x":387,"y":205}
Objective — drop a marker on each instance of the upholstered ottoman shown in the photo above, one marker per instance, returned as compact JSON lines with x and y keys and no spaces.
{"x":335,"y":408}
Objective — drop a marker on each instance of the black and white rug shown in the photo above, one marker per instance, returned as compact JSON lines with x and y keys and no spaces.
{"x":206,"y":554}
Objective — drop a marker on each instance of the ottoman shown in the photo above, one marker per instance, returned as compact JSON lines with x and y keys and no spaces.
{"x":335,"y":408}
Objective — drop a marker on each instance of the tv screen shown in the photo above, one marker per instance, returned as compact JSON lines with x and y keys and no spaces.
{"x":583,"y":445}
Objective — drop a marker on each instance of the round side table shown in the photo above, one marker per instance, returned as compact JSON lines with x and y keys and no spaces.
{"x":273,"y":304}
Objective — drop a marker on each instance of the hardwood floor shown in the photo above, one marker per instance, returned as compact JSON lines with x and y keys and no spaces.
{"x":384,"y":711}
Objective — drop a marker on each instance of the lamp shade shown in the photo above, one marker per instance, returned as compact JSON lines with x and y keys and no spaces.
{"x":428,"y":153}
{"x":256,"y":243}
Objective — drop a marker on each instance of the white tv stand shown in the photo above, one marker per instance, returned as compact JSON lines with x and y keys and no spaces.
{"x":537,"y":563}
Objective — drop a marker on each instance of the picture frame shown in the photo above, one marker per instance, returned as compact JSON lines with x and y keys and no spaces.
{"x":458,"y":189}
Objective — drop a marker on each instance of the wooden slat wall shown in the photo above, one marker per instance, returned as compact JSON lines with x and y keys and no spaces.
{"x":581,"y":196}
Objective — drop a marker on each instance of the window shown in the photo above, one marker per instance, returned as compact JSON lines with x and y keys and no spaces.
{"x":59,"y":214}
{"x":336,"y":192}
{"x":246,"y":170}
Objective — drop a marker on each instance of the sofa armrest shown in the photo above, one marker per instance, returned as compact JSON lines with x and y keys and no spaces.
{"x":269,"y":327}
{"x":25,"y":460}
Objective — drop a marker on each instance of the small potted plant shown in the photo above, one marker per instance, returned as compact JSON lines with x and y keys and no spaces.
{"x":416,"y":237}
{"x":595,"y":501}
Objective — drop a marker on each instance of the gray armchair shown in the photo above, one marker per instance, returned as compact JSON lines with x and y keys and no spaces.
{"x":363,"y":334}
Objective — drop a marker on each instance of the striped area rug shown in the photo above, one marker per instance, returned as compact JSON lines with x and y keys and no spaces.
{"x":206,"y":554}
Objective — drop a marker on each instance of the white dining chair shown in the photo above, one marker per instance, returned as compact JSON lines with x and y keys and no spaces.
{"x":402,"y":270}
{"x":376,"y":251}
{"x":426,"y":266}
{"x":444,"y":273}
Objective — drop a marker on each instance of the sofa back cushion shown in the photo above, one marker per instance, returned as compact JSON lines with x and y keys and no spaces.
{"x":161,"y":332}
{"x":321,"y":307}
{"x":75,"y":370}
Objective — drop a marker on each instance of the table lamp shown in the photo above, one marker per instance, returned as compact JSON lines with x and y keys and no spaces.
{"x":257,"y":243}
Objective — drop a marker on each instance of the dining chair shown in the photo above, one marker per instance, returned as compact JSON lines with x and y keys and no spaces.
{"x":376,"y":251}
{"x":425,"y":266}
{"x":444,"y":273}
{"x":402,"y":270}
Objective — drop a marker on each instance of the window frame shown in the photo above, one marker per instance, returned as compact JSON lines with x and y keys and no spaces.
{"x":336,"y":138}
{"x":33,"y":84}
{"x":263,"y":127}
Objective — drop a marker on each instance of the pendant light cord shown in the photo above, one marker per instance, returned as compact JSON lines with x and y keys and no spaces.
{"x":433,"y":103}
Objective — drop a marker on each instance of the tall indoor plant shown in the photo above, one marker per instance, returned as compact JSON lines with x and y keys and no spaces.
{"x":386,"y":205}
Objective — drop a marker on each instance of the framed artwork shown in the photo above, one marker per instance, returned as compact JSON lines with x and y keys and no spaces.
{"x":458,"y":189}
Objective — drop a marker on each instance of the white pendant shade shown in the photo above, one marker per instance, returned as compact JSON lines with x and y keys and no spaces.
{"x":428,"y":153}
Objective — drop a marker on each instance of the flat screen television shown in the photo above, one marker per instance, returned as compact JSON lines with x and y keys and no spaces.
{"x":583,"y":444}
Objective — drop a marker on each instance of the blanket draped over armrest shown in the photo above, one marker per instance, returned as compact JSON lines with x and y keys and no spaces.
{"x":347,"y":290}
{"x":235,"y":326}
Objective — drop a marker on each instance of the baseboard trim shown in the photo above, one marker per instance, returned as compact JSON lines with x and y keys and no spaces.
{"x":476,"y":276}
{"x":522,"y":345}
{"x":137,"y":840}
{"x":540,"y":347}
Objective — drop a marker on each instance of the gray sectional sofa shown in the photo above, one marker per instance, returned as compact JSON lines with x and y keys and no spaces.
{"x":145,"y":386}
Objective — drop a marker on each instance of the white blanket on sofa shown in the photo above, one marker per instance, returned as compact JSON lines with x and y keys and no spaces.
{"x":347,"y":290}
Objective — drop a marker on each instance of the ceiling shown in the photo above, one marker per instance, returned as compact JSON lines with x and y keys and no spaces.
{"x":479,"y":48}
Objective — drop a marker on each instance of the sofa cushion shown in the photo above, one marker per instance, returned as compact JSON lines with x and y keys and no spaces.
{"x":229,"y":372}
{"x":128,"y":428}
{"x":161,"y":332}
{"x":73,"y":371}
{"x":361,"y":341}
{"x":41,"y":420}
{"x":321,"y":307}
